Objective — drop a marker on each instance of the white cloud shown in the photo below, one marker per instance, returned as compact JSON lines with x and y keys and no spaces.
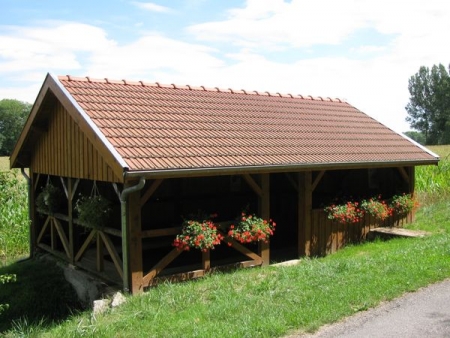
{"x":152,"y":7}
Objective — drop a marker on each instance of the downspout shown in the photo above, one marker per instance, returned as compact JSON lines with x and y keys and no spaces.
{"x":123,"y":212}
{"x":28,"y":179}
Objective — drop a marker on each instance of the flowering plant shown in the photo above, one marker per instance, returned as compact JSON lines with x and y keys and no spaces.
{"x":345,"y":213}
{"x":403,"y":204}
{"x":202,"y":235}
{"x":376,"y":207}
{"x":250,"y":228}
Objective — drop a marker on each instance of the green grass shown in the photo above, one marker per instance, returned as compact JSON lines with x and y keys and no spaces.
{"x":273,"y":301}
{"x":262,"y":302}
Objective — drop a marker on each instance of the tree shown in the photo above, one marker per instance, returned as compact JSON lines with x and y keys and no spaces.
{"x":429,"y":106}
{"x":416,"y":136}
{"x":13,"y":114}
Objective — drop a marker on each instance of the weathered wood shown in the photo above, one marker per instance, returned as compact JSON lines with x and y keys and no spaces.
{"x":150,"y":191}
{"x":158,"y":267}
{"x":399,"y":232}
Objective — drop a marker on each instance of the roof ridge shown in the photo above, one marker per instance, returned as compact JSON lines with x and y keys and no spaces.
{"x":201,"y":88}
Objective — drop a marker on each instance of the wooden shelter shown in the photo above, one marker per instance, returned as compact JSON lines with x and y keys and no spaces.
{"x":160,"y":152}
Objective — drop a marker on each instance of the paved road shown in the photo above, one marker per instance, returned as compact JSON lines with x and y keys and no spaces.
{"x":424,"y":314}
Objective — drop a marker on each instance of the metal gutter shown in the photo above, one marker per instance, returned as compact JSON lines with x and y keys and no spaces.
{"x":216,"y":171}
{"x":124,"y":224}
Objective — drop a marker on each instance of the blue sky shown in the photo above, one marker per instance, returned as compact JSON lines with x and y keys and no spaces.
{"x":363,"y":51}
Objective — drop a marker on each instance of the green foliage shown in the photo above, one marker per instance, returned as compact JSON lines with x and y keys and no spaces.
{"x":13,"y":114}
{"x":416,"y":136}
{"x":14,"y":220}
{"x":429,"y":106}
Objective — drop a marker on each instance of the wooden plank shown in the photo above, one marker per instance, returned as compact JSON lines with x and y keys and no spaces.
{"x":251,"y":182}
{"x":150,"y":191}
{"x":85,"y":245}
{"x":166,"y":260}
{"x":113,"y":253}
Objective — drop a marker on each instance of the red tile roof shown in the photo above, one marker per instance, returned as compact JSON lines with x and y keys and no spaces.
{"x":160,"y":127}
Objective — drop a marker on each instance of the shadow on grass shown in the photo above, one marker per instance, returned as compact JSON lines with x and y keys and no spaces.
{"x":40,"y":296}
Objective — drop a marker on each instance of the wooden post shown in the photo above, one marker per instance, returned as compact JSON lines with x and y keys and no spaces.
{"x":304,"y":212}
{"x":135,"y":243}
{"x":206,"y":260}
{"x":264,"y":206}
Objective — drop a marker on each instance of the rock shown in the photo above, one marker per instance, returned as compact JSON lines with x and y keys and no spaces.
{"x":100,"y":306}
{"x":118,"y":299}
{"x":85,"y":286}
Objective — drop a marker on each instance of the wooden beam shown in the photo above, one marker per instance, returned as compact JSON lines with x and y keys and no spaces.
{"x":166,"y":260}
{"x":317,"y":180}
{"x":62,"y":236}
{"x":113,"y":253}
{"x":404,"y":174}
{"x":150,"y":191}
{"x":291,"y":181}
{"x":160,"y":232}
{"x":85,"y":245}
{"x":251,"y":182}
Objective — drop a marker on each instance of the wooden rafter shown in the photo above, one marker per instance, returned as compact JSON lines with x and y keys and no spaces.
{"x":150,"y":191}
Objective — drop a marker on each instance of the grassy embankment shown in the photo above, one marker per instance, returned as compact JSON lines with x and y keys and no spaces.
{"x":263,"y":302}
